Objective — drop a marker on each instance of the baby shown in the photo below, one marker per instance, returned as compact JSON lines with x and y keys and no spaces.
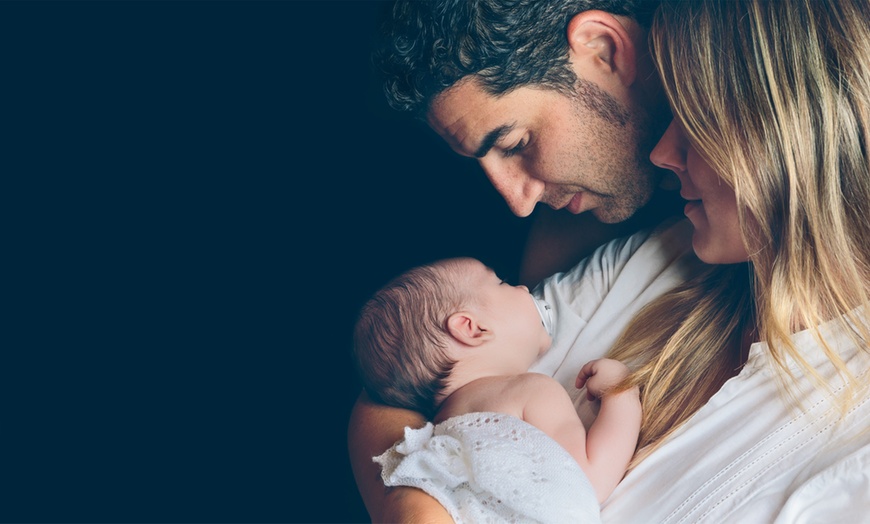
{"x":454,"y":341}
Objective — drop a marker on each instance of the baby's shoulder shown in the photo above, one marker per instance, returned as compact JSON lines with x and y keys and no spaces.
{"x":535,"y":381}
{"x":516,"y":386}
{"x":528,"y":389}
{"x":503,"y":394}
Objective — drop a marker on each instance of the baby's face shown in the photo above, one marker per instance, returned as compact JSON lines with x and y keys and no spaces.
{"x":511,"y":312}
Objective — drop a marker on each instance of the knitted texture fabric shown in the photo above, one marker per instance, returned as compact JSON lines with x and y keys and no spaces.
{"x":492,"y":468}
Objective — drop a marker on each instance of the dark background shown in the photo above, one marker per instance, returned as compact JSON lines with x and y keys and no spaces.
{"x":197,"y":198}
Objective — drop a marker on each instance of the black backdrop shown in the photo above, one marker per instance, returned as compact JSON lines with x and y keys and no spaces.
{"x":198,"y":196}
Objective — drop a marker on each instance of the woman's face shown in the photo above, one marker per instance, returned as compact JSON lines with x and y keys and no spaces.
{"x":712,"y":206}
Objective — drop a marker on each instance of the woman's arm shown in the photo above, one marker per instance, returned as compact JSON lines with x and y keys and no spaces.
{"x":372,"y":429}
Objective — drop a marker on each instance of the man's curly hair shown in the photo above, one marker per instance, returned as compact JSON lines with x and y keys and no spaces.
{"x":429,"y":45}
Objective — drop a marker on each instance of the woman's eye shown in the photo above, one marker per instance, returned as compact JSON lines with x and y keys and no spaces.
{"x":516,"y":149}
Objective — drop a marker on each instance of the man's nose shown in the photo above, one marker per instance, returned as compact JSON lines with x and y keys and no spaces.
{"x":519,"y":190}
{"x":670,"y":152}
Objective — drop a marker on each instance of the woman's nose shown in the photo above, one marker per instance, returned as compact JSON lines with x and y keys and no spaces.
{"x":519,"y":190}
{"x":670,"y":152}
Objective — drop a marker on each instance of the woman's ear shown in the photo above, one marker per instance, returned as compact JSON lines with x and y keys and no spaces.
{"x":465,"y":327}
{"x":601,"y":49}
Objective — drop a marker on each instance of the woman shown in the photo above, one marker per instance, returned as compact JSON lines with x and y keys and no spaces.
{"x":754,"y":375}
{"x":770,"y":140}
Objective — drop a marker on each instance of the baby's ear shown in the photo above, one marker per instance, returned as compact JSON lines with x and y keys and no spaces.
{"x":466,"y":329}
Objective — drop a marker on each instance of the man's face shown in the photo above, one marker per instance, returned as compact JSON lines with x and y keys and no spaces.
{"x":538,"y":145}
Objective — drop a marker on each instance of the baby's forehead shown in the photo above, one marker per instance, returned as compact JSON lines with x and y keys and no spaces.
{"x":466,"y":265}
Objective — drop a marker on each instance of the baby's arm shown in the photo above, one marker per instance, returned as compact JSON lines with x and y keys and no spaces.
{"x":612,"y":438}
{"x":549,"y":408}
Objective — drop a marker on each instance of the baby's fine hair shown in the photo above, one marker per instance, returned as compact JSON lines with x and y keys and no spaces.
{"x":400,"y":337}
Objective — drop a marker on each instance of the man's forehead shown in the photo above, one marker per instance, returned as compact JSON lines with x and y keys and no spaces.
{"x":464,"y":114}
{"x":468,"y":86}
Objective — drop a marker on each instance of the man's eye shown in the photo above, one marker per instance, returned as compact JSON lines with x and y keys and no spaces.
{"x":514,"y":150}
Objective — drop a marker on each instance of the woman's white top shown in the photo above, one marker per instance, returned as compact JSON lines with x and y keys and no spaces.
{"x":749,"y":455}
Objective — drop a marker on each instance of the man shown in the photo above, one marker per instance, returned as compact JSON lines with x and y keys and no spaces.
{"x":558,"y":108}
{"x":558,"y":101}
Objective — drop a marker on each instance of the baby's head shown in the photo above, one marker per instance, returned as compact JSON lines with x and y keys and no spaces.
{"x":454,"y":316}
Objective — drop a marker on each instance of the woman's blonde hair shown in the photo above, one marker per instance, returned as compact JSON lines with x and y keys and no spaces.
{"x":775,"y":96}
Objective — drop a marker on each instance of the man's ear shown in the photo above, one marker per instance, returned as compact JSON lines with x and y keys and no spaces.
{"x":601,"y":48}
{"x":465,"y":328}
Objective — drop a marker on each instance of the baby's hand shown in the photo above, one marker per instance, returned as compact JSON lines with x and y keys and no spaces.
{"x":600,"y":375}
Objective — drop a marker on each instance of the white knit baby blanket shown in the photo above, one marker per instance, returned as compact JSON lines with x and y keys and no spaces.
{"x":491,"y":467}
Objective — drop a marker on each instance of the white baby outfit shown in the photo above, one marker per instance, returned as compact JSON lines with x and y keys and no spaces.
{"x":492,"y":468}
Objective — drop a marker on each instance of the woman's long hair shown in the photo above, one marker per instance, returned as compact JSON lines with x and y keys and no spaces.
{"x":775,"y":95}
